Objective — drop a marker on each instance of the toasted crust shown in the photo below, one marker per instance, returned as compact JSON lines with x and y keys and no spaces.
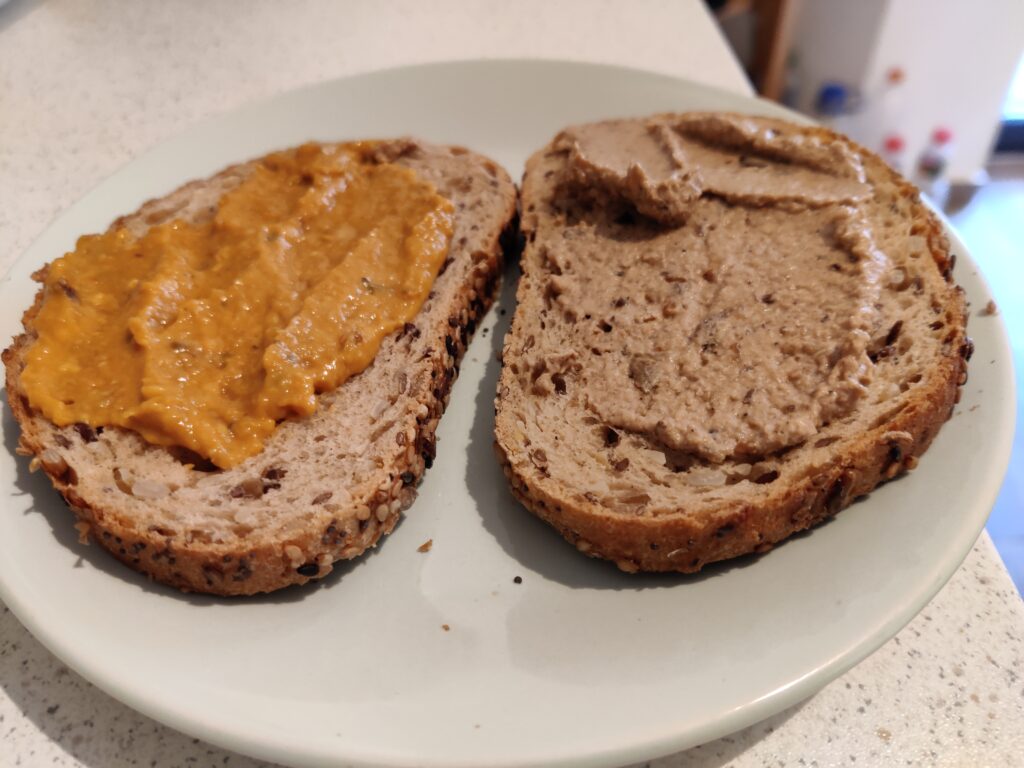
{"x":325,"y":488}
{"x":814,"y":484}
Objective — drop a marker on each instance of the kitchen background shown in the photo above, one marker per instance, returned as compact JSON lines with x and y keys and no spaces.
{"x":896,"y":75}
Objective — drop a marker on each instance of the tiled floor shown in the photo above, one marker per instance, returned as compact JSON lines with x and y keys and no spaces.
{"x":992,"y":226}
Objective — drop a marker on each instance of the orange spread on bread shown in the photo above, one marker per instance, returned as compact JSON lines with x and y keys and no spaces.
{"x":205,"y":335}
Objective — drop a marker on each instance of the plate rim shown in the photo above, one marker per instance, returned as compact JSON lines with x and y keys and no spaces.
{"x":712,"y":727}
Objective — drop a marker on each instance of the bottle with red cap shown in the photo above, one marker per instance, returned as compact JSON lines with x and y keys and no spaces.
{"x":888,"y":107}
{"x":931,"y":166}
{"x":892,"y":151}
{"x":933,"y":160}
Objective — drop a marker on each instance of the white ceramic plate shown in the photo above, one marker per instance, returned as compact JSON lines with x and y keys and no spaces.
{"x":579,"y":664}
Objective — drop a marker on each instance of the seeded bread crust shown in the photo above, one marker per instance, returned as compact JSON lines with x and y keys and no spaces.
{"x":326,"y":487}
{"x":683,"y":528}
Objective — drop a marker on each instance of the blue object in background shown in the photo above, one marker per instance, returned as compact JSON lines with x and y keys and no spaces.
{"x":833,"y":99}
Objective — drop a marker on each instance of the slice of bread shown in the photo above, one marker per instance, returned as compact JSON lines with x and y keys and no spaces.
{"x":607,"y":296}
{"x":324,"y":488}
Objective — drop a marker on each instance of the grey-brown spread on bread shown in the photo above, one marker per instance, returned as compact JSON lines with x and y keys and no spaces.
{"x":709,"y":243}
{"x":727,"y":329}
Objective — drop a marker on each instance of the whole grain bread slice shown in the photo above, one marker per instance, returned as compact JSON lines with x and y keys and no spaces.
{"x":326,"y":487}
{"x":624,"y":496}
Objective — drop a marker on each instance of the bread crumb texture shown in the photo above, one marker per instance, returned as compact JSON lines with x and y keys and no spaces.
{"x":728,"y":328}
{"x":328,"y":485}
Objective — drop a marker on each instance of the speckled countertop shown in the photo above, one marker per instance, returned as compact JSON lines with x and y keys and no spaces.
{"x":87,"y":85}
